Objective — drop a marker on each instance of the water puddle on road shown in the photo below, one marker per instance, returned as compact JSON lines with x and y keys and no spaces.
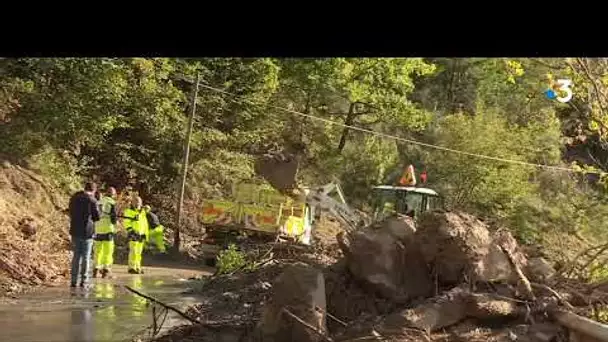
{"x":104,"y":312}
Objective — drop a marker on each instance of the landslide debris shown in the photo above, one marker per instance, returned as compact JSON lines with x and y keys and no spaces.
{"x":298,"y":295}
{"x":448,"y":278}
{"x":33,"y":231}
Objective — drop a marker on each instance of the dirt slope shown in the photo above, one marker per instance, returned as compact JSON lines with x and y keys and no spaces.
{"x":33,"y":231}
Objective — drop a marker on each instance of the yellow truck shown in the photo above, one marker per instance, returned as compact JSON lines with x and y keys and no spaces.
{"x":255,"y":210}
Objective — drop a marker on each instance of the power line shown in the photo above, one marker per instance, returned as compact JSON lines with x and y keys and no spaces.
{"x":393,"y":137}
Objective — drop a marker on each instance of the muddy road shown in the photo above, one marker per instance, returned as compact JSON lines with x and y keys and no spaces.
{"x":104,"y":312}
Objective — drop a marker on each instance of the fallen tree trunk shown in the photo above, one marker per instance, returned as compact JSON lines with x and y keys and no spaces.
{"x":451,"y":308}
{"x":448,"y":309}
{"x":581,"y":325}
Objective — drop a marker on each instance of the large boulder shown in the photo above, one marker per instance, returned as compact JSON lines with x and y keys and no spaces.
{"x":385,"y":260}
{"x":298,"y":297}
{"x":496,"y":265}
{"x":373,"y":257}
{"x":460,"y":247}
{"x":539,"y":269}
{"x":454,"y":243}
{"x":402,"y":227}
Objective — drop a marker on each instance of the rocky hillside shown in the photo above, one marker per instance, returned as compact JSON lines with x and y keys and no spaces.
{"x":33,"y":231}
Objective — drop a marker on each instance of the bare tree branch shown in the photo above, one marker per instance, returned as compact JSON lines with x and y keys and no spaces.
{"x":520,"y":274}
{"x":554,"y":294}
{"x":599,"y":94}
{"x":301,"y":321}
{"x":168,"y":307}
{"x":597,"y":162}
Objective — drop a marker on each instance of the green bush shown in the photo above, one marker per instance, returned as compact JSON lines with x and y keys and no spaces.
{"x":230,"y":260}
{"x":597,"y":272}
{"x":562,"y":204}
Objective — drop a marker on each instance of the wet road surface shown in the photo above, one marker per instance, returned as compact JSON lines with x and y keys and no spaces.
{"x":104,"y":312}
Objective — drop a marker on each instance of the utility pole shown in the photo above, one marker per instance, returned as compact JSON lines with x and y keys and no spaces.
{"x":177,"y":239}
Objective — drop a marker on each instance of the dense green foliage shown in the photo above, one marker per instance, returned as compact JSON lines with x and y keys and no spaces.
{"x":231,"y":260}
{"x":123,"y":122}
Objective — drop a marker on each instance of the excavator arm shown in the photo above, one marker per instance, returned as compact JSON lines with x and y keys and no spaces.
{"x":280,"y":171}
{"x":320,"y":198}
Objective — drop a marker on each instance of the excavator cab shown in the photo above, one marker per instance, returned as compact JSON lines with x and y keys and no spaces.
{"x":388,"y":199}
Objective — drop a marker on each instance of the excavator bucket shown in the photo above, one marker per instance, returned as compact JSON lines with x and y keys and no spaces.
{"x":279,"y":170}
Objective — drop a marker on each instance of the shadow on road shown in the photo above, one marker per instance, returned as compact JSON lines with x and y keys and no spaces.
{"x":169,"y":260}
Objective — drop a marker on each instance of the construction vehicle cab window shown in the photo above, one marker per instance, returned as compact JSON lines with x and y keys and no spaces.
{"x":410,"y":201}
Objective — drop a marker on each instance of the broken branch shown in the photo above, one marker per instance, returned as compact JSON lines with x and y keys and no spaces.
{"x":509,"y":299}
{"x":555,"y":294}
{"x":301,"y":321}
{"x":594,"y":257}
{"x":571,"y":266}
{"x":263,"y":260}
{"x":168,"y":307}
{"x":520,"y":274}
{"x":335,"y":318}
{"x":581,"y":325}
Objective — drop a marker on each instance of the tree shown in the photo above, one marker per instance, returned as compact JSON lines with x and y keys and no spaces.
{"x":488,"y":187}
{"x":363,"y":92}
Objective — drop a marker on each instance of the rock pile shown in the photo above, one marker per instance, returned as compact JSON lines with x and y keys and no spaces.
{"x":399,"y":282}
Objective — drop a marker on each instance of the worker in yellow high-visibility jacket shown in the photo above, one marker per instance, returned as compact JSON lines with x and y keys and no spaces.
{"x":105,"y":229}
{"x":156,"y":229}
{"x":136,"y":225}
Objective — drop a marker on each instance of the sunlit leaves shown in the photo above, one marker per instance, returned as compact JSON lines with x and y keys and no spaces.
{"x":514,"y":70}
{"x":488,"y":185}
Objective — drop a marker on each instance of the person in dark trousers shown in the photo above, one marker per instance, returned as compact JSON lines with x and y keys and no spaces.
{"x":84,"y":212}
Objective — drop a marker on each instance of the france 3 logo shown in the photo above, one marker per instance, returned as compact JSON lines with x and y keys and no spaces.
{"x":559,"y":90}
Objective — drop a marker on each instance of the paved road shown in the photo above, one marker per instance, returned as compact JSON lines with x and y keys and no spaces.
{"x":105,"y":312}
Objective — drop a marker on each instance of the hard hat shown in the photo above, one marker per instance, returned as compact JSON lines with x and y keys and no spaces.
{"x":147,"y":207}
